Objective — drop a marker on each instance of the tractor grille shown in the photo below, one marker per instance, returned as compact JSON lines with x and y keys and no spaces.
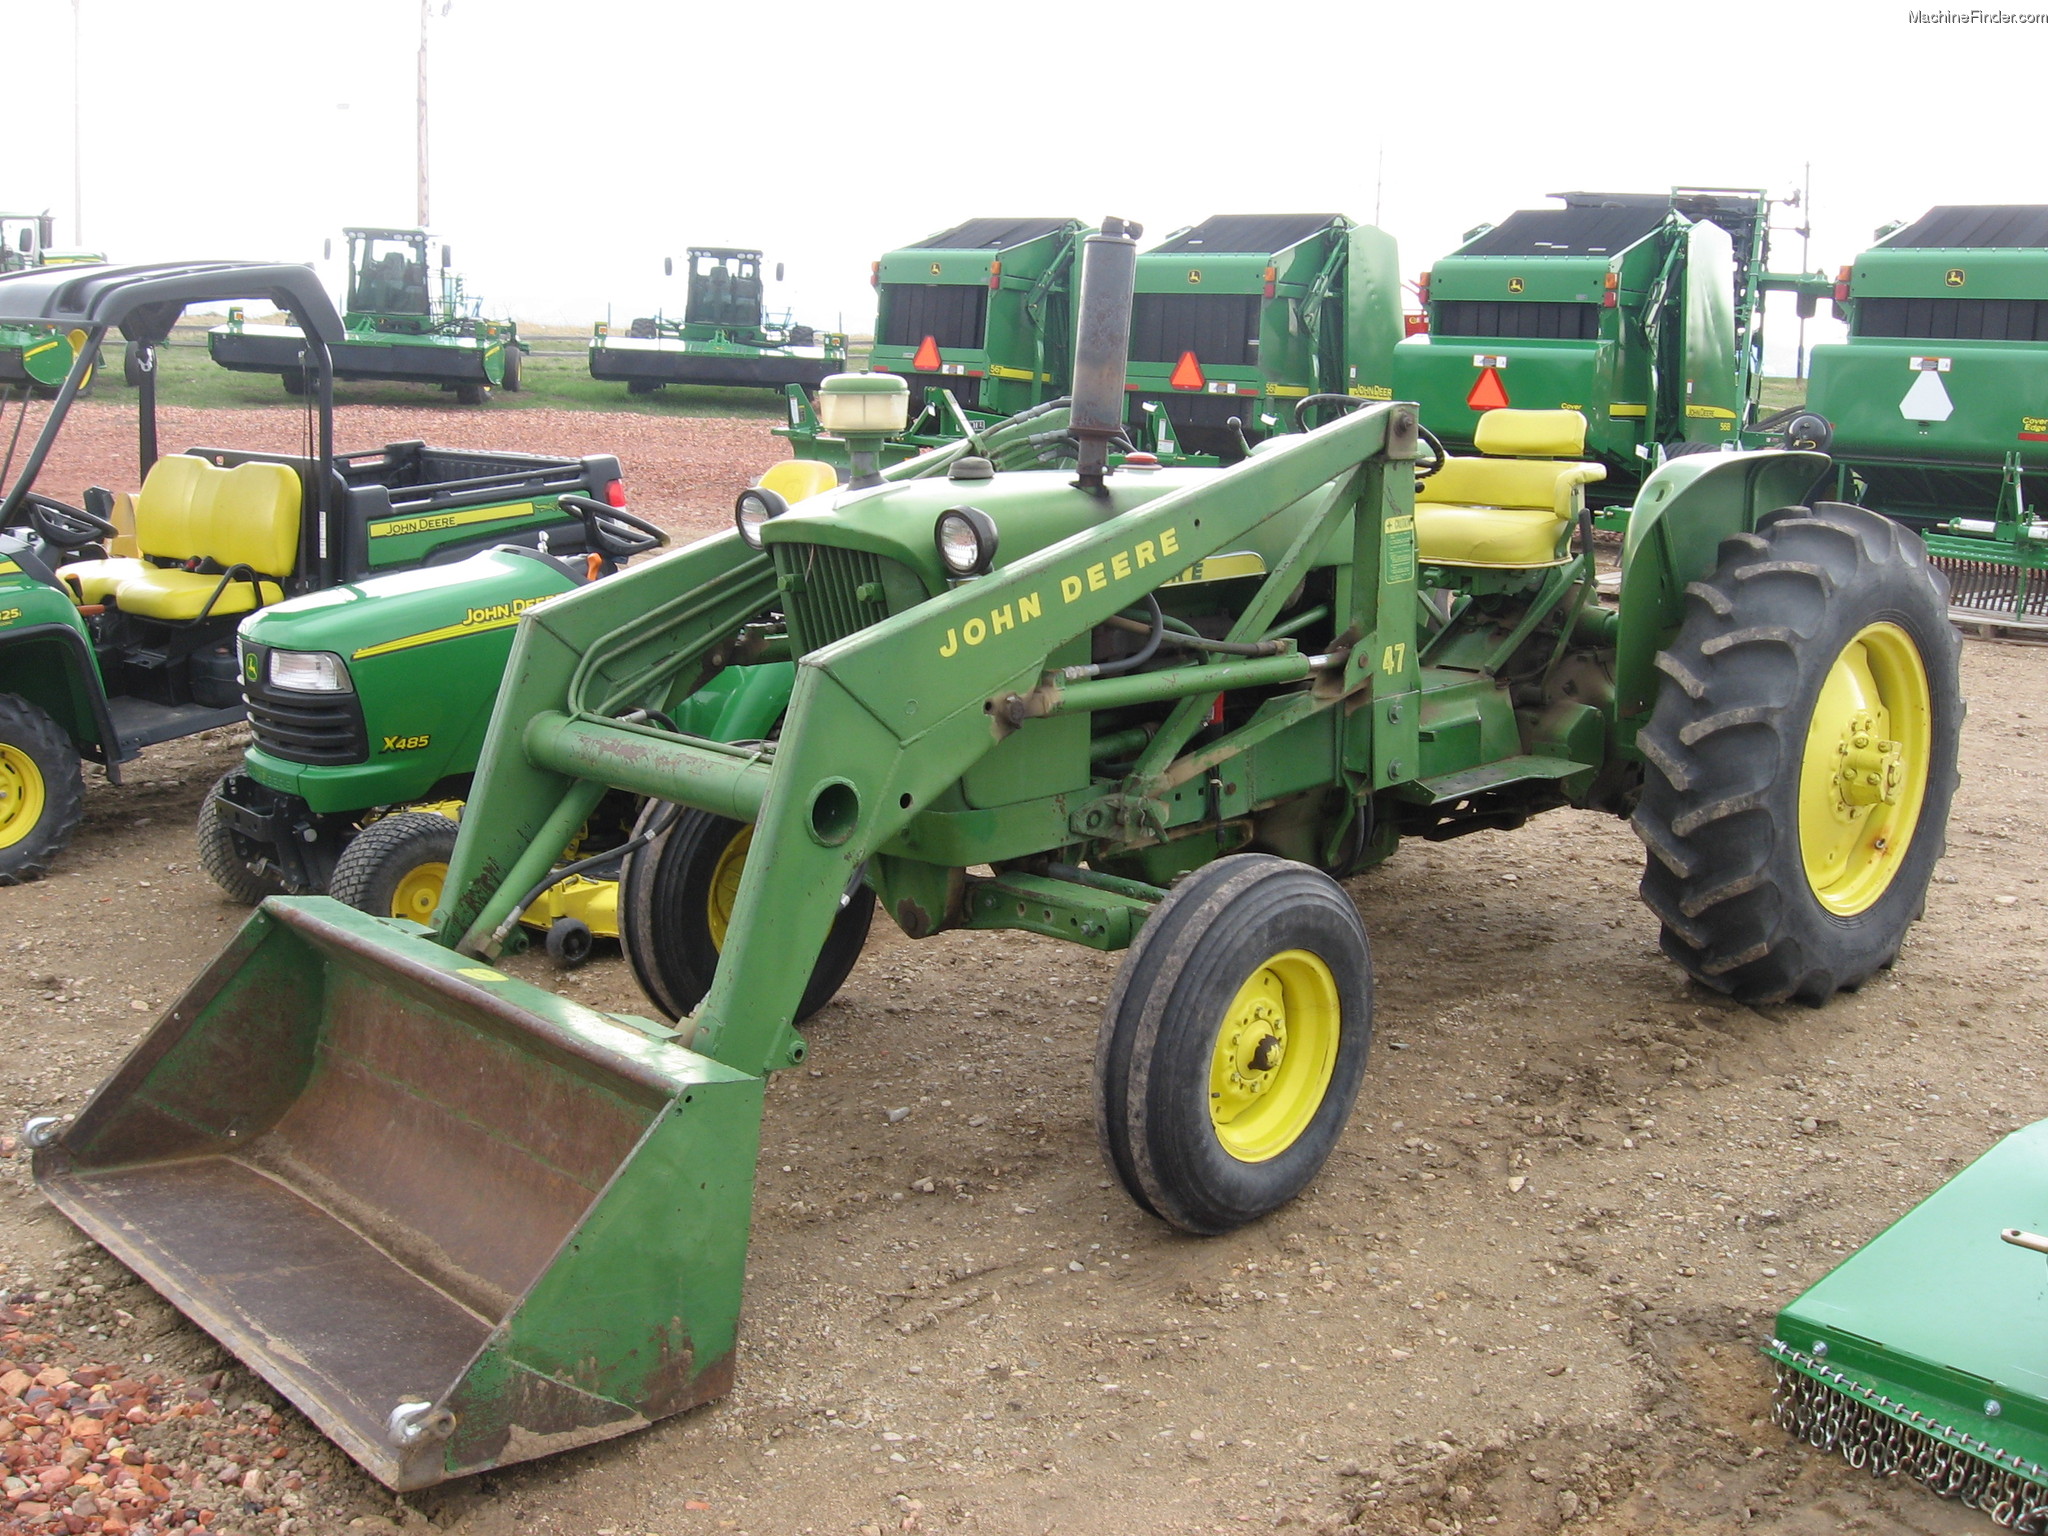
{"x":307,"y":728}
{"x":1933,"y":319}
{"x":1522,"y":319}
{"x":953,"y":315}
{"x":1221,"y":329}
{"x":829,"y":593}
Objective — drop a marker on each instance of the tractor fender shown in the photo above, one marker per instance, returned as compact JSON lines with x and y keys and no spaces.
{"x":49,"y":663}
{"x":1675,"y":529}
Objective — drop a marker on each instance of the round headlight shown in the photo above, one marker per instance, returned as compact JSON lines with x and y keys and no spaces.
{"x":966,"y":538}
{"x":752,"y":511}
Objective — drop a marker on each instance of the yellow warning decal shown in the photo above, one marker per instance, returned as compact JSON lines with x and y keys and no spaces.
{"x":1286,"y":391}
{"x":1220,"y":568}
{"x":1709,"y":413}
{"x":1372,"y":391}
{"x":9,"y":568}
{"x":482,"y":973}
{"x":1628,"y":410}
{"x":475,"y":622}
{"x":434,"y":522}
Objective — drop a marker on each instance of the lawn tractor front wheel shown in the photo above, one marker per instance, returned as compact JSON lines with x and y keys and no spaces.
{"x":676,"y":901}
{"x":1234,"y":1042}
{"x":42,"y":790}
{"x":396,"y":866}
{"x":1801,"y":757}
{"x":225,"y":855}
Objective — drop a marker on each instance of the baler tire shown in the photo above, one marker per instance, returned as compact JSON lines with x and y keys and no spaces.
{"x":388,"y":868}
{"x":45,"y":790}
{"x":1741,"y":712}
{"x":472,"y":394}
{"x":221,"y":854}
{"x":1250,"y":920}
{"x":294,"y":382}
{"x":642,"y":387}
{"x":665,"y":895}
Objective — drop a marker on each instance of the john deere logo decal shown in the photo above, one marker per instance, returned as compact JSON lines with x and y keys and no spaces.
{"x":1514,"y":285}
{"x":1194,"y":274}
{"x":935,"y":269}
{"x":251,"y":665}
{"x":1954,"y":277}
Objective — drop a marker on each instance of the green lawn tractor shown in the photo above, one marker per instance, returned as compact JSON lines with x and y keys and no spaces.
{"x":1929,"y":399}
{"x":1922,"y":1355}
{"x":1641,"y":311}
{"x":118,"y":617}
{"x":1241,"y":317}
{"x":36,"y":356}
{"x":726,"y":336}
{"x":461,"y":1221}
{"x":397,"y":326}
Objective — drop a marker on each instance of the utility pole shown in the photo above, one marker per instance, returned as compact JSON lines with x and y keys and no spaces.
{"x":77,"y":137}
{"x":425,"y":5}
{"x":1805,"y":256}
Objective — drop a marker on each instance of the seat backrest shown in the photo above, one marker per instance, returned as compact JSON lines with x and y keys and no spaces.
{"x":249,"y":515}
{"x":1530,"y":434}
{"x":1538,"y":483}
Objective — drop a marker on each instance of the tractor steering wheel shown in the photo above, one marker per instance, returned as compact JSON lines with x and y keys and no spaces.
{"x":1352,"y":403}
{"x":64,"y":525}
{"x":612,"y":531}
{"x":1436,"y":448}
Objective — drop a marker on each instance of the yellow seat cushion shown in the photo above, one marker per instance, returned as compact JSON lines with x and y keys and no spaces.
{"x":97,"y":580}
{"x":158,"y":593}
{"x":1504,"y":511}
{"x":1514,"y":537}
{"x":192,"y":510}
{"x":796,"y":480}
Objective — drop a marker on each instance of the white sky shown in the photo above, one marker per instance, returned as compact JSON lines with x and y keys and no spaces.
{"x":576,"y":144}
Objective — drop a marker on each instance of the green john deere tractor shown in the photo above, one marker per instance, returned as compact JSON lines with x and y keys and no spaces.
{"x":35,"y":355}
{"x":1938,"y":400}
{"x":726,"y":336}
{"x":118,"y":617}
{"x":460,"y":1220}
{"x":1643,"y":312}
{"x":398,"y":326}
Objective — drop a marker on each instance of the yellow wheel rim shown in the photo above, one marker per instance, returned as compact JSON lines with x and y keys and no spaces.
{"x":725,"y":885}
{"x":22,"y":795}
{"x":418,"y":891}
{"x":1275,"y":1051}
{"x":1863,"y":776}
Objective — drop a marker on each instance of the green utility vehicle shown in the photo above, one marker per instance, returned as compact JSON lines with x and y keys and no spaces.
{"x":1938,"y":400}
{"x":726,"y":336}
{"x":1242,"y":315}
{"x":118,"y":617}
{"x":34,"y":355}
{"x":460,"y":1220}
{"x":1641,"y":311}
{"x":397,"y":326}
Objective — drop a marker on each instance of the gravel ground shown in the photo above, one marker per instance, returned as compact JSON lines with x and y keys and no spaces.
{"x":681,"y":472}
{"x":1524,"y":1297}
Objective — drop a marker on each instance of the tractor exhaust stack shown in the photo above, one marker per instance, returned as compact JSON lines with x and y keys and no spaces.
{"x":1109,"y":280}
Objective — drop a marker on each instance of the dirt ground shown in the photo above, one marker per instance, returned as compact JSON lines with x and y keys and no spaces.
{"x":1524,"y":1295}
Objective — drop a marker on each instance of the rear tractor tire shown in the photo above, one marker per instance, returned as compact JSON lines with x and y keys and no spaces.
{"x":1801,"y":757}
{"x":396,"y":866}
{"x":42,"y":790}
{"x":676,"y":898}
{"x":1234,"y":1042}
{"x":222,"y":855}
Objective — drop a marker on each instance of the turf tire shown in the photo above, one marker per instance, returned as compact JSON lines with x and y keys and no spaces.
{"x":664,"y":896}
{"x":1159,"y":1031}
{"x":222,"y":855}
{"x":1719,"y":813}
{"x":26,"y":730}
{"x":378,"y":858}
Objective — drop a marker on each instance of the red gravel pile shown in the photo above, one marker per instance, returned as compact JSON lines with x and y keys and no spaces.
{"x":92,"y":1447}
{"x":681,"y":472}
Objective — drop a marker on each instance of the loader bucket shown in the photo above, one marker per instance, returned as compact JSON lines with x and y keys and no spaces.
{"x":457,"y":1220}
{"x":1926,"y":1353}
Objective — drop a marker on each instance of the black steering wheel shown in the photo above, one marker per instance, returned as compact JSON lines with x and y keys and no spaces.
{"x":1436,"y":447}
{"x":1354,"y":402}
{"x":64,"y":525}
{"x":612,"y":531}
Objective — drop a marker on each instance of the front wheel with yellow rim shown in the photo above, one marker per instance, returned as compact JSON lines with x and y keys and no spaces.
{"x":1234,"y":1042}
{"x":42,"y":790}
{"x":1801,"y":757}
{"x":396,"y":866}
{"x":677,"y":896}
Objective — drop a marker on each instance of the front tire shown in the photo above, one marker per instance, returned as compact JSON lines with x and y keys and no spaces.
{"x":1234,"y":1042}
{"x":396,"y":866}
{"x":222,"y":855}
{"x":676,"y":897}
{"x":1801,"y":757}
{"x":42,"y":790}
{"x":511,"y":384}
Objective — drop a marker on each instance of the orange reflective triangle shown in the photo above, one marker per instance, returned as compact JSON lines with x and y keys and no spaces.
{"x":1187,"y":373}
{"x":927,"y":359}
{"x":1488,"y":394}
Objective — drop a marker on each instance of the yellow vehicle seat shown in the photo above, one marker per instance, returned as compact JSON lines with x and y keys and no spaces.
{"x":1513,"y":507}
{"x":191,"y":510}
{"x":796,"y":480}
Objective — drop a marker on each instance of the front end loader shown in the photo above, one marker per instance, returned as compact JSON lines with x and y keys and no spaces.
{"x":461,"y":1222}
